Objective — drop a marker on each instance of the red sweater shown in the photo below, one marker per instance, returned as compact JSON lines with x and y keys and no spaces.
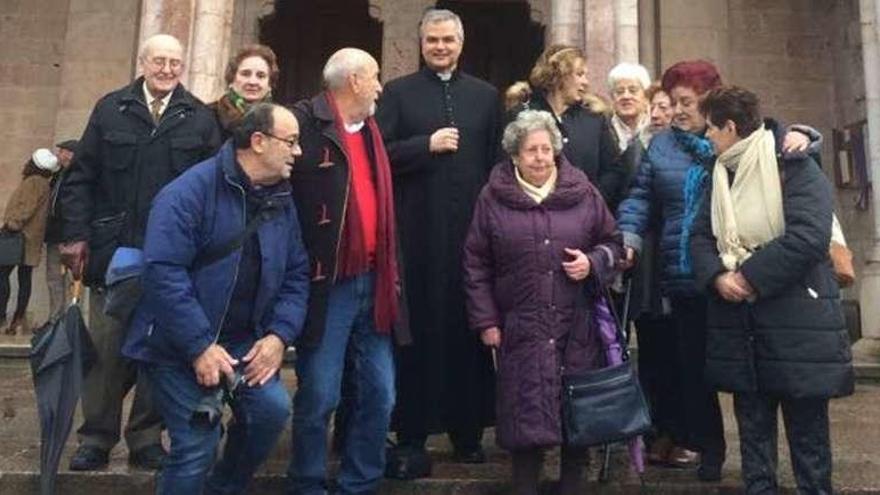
{"x":363,"y":187}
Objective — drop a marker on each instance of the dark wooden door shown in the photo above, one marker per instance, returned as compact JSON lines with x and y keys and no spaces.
{"x":304,"y":33}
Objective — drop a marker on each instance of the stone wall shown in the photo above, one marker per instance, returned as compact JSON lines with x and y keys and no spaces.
{"x":849,"y":105}
{"x":57,"y":58}
{"x":31,"y":57}
{"x":31,"y":60}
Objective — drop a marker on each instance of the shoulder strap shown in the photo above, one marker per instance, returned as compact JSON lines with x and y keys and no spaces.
{"x":266,"y":212}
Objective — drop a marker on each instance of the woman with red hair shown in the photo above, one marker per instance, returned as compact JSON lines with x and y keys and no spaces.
{"x":667,"y":192}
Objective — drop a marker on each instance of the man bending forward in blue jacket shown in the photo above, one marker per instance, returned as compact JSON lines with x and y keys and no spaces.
{"x":213,"y":306}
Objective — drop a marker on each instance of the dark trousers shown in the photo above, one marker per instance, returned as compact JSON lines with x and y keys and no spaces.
{"x":111,"y":378}
{"x":806,"y":428}
{"x":527,"y":466}
{"x":702,"y":412}
{"x":467,"y":383}
{"x":25,"y":273}
{"x":659,"y":373}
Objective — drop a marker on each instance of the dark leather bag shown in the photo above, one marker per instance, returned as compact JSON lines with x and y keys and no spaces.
{"x":11,"y":248}
{"x":605,"y":405}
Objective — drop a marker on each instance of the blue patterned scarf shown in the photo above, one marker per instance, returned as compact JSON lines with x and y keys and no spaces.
{"x":703,"y":156}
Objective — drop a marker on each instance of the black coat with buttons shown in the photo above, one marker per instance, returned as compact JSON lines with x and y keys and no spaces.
{"x":791,"y":341}
{"x":321,"y":180}
{"x":435,"y":195}
{"x":124,"y":159}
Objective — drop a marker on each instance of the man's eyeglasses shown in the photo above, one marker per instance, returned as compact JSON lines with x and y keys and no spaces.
{"x":160,"y":62}
{"x":291,"y":143}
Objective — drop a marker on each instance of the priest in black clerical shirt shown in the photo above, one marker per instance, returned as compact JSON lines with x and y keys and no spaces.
{"x":441,"y":129}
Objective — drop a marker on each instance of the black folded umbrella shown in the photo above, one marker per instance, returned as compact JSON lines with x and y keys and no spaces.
{"x":61,"y":354}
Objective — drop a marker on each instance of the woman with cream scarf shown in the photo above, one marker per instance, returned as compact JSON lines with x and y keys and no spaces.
{"x":775,"y":332}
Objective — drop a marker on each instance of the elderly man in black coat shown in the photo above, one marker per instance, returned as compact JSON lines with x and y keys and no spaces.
{"x":138,"y":139}
{"x":441,"y":129}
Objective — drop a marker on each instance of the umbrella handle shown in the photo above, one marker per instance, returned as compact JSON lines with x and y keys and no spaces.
{"x":77,"y":291}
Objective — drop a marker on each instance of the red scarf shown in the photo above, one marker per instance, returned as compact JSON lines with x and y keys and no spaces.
{"x":352,"y":246}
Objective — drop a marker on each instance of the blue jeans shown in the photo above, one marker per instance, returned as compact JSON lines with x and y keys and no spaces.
{"x":259,"y":416}
{"x":350,"y":322}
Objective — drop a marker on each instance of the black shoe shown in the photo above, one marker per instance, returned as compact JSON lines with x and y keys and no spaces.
{"x":407,"y":463}
{"x":475,"y":456}
{"x":149,"y":457}
{"x":89,"y":458}
{"x":709,"y":472}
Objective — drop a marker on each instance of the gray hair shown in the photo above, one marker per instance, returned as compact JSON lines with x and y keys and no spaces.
{"x":626,"y":70}
{"x":529,"y":121}
{"x":159,"y":39}
{"x":343,"y":63}
{"x":442,"y":15}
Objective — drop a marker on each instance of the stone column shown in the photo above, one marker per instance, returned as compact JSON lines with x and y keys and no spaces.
{"x":599,"y":24}
{"x":567,"y":22}
{"x":870,"y":284}
{"x":626,"y":35}
{"x":400,"y":36}
{"x":209,"y":52}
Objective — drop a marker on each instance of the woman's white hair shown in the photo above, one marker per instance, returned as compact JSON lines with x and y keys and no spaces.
{"x":529,"y":121}
{"x":629,"y":71}
{"x":343,"y":63}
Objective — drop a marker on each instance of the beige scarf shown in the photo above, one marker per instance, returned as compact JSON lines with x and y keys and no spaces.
{"x":539,"y":194}
{"x":747,"y":214}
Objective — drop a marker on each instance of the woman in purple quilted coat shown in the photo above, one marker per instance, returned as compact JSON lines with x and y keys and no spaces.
{"x":541,"y":241}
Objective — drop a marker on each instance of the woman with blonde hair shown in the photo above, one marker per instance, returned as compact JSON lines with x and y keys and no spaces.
{"x":559,"y":85}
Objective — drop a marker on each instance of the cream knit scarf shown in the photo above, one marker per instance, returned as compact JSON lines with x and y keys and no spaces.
{"x":747,"y":214}
{"x":625,"y":134}
{"x":539,"y":194}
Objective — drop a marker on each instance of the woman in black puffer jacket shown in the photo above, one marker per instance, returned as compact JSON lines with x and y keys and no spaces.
{"x":775,"y":331}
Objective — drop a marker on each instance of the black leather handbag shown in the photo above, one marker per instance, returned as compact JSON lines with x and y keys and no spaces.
{"x":11,"y":248}
{"x":604,"y":405}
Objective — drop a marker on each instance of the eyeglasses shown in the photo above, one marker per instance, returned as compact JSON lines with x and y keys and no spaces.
{"x":160,"y":62}
{"x":622,"y":90}
{"x":291,"y":143}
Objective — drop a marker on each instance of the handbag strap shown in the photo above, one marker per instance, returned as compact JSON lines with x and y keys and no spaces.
{"x":268,"y":210}
{"x":622,"y":338}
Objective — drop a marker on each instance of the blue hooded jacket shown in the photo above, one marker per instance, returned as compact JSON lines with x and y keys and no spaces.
{"x":182,"y":309}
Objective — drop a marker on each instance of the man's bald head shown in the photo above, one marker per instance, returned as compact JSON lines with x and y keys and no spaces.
{"x":160,"y":42}
{"x":344,"y":63}
{"x":161,"y":61}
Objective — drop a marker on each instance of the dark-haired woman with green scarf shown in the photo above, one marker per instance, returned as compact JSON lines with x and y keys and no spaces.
{"x":250,"y":74}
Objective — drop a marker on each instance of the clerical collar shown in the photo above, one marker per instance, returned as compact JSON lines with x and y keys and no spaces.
{"x":355,"y":127}
{"x":444,"y":76}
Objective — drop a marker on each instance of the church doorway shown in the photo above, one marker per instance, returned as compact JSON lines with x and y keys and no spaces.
{"x":304,"y":33}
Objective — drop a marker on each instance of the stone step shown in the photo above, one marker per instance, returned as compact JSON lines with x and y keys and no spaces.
{"x":142,"y":484}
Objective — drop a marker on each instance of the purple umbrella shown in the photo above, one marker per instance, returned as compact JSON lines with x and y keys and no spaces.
{"x":610,"y":336}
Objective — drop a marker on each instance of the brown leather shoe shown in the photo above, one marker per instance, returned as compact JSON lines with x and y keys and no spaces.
{"x":658,"y":454}
{"x":680,"y":457}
